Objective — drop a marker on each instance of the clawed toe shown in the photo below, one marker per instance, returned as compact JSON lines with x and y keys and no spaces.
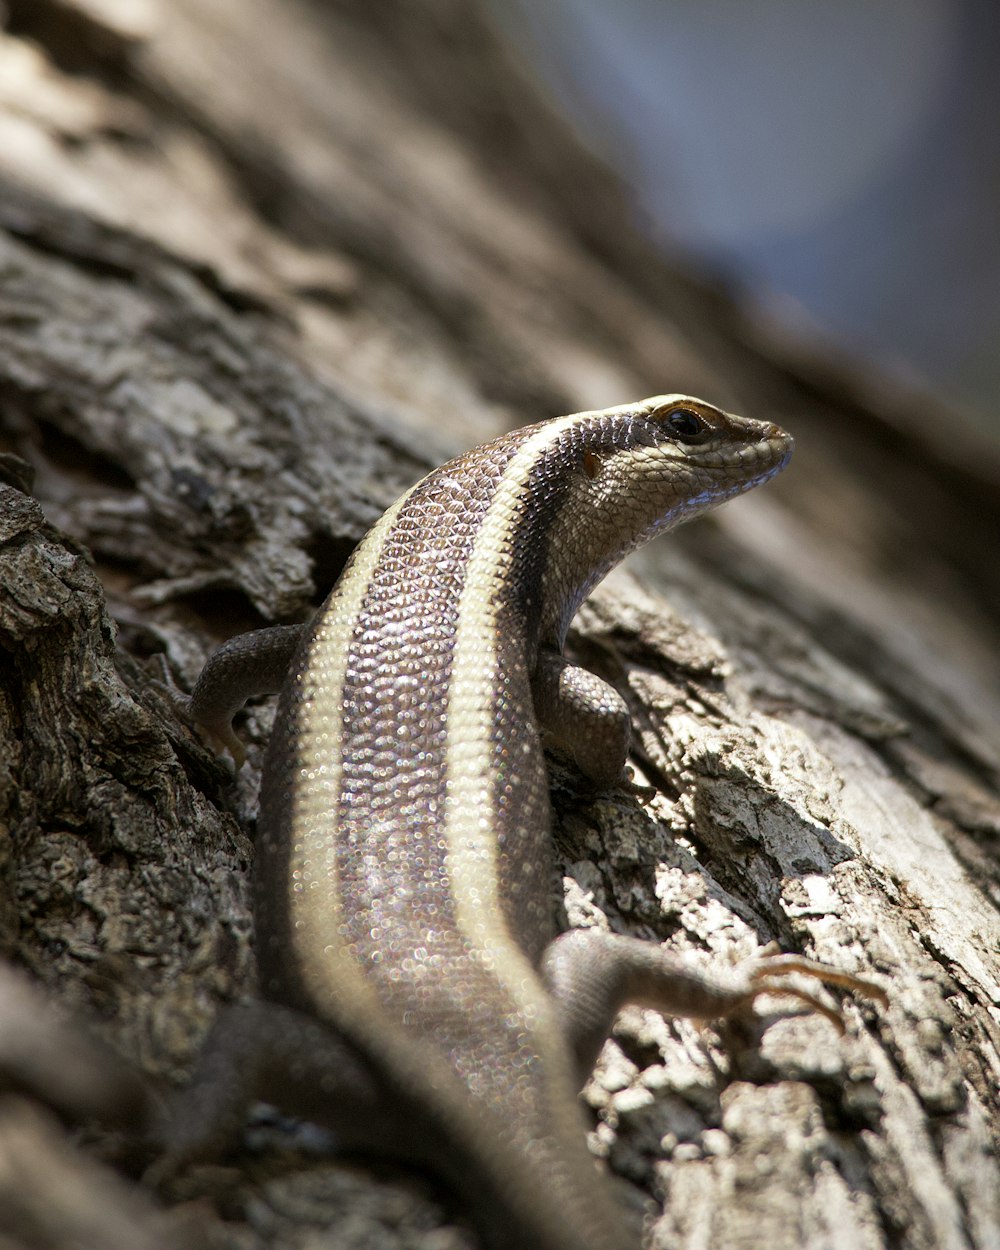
{"x":769,"y":970}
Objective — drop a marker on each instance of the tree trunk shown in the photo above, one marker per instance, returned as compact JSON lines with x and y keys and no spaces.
{"x":266,"y":263}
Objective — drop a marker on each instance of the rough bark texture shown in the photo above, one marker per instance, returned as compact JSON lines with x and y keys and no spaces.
{"x":262,"y":264}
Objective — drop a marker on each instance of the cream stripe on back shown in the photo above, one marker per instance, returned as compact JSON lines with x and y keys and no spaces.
{"x":327,"y":966}
{"x":340,"y":990}
{"x":472,"y":821}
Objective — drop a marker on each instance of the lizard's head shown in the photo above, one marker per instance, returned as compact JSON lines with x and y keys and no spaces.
{"x":699,"y":454}
{"x":664,"y":459}
{"x":641,"y":469}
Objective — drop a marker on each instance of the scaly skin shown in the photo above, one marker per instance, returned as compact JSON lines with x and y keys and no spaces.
{"x":415,"y":988}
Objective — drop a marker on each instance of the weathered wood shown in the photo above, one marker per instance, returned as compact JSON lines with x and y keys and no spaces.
{"x":262,"y":264}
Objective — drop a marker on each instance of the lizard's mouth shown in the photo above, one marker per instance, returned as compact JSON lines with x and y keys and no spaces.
{"x":774,"y":450}
{"x":748,"y":464}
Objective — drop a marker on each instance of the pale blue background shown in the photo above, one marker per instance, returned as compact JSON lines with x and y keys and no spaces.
{"x":840,"y":157}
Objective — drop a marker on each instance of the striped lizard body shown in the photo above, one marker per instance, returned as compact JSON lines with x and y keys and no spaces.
{"x":417,"y":997}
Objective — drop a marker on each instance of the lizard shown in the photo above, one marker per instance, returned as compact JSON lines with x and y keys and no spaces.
{"x":414,"y":994}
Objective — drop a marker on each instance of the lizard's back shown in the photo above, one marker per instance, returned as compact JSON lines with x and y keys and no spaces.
{"x":404,"y":868}
{"x":404,"y":864}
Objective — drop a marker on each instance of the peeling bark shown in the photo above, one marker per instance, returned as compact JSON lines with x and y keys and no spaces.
{"x":264,"y":264}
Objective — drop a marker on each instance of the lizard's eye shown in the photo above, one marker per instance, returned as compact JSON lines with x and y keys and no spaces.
{"x":664,"y":425}
{"x":686,"y":425}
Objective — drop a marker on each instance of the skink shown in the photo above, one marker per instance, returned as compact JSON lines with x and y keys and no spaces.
{"x":416,"y":995}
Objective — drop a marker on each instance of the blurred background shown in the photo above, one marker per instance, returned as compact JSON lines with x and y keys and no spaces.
{"x":839,"y":161}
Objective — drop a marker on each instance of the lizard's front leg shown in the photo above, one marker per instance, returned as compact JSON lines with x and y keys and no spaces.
{"x":250,"y":664}
{"x":583,"y":713}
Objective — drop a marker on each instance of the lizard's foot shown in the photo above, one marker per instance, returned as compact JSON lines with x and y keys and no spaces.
{"x":766,"y":974}
{"x":219,"y":731}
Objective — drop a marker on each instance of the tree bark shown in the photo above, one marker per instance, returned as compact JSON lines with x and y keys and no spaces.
{"x":263,"y":265}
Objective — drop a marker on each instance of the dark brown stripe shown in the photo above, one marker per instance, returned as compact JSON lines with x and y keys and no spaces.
{"x":391,"y":853}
